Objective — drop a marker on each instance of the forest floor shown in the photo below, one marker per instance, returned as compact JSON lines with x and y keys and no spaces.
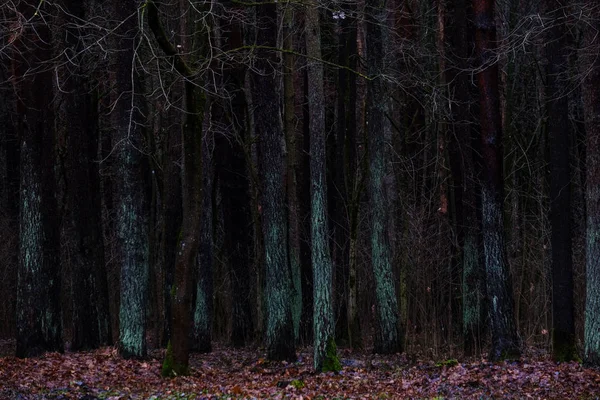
{"x":228,"y":373}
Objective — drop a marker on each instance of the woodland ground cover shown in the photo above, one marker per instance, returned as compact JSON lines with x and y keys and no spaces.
{"x":228,"y":373}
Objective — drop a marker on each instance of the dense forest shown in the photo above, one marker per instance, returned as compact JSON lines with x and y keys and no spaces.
{"x":399,"y":176}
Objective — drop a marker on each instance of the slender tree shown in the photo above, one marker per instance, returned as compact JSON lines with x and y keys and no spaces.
{"x":505,"y":341}
{"x":388,"y":339}
{"x":591,"y":104}
{"x":203,"y":304}
{"x":292,"y":166}
{"x":130,"y":201}
{"x":563,"y":319}
{"x":177,"y":358}
{"x":39,"y":327}
{"x":345,"y":211}
{"x":267,"y":121}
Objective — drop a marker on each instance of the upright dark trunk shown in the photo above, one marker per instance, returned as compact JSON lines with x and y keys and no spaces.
{"x":39,"y":326}
{"x":292,"y":169}
{"x":233,"y":171}
{"x":347,"y":326}
{"x":203,"y":313}
{"x":590,"y":63}
{"x":177,"y":358}
{"x":90,"y":324}
{"x":388,"y":339}
{"x":170,"y":224}
{"x":267,"y":121}
{"x":9,"y":197}
{"x":505,"y":341}
{"x":559,"y":128}
{"x":203,"y":304}
{"x":464,"y":177}
{"x":325,"y":358}
{"x":130,"y":203}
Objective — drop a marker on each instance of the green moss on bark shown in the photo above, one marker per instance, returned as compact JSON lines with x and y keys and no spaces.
{"x":331,"y":362}
{"x":170,"y":368}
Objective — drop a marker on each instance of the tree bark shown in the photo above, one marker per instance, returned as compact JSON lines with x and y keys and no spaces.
{"x":177,"y":358}
{"x":130,"y":200}
{"x":90,"y":324}
{"x":267,"y":120}
{"x":557,"y":106}
{"x":346,"y":313}
{"x":39,"y":327}
{"x":505,"y":342}
{"x":464,"y":177}
{"x":388,"y":339}
{"x":292,"y":168}
{"x":325,"y":357}
{"x":234,"y":176}
{"x":590,"y":63}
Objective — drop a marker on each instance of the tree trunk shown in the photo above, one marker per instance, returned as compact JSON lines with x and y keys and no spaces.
{"x":171,"y":221}
{"x":203,"y":304}
{"x":234,"y":179}
{"x":325,"y":357}
{"x":130,"y":191}
{"x":344,"y":172}
{"x":463,"y":174}
{"x":9,"y":203}
{"x":557,"y":106}
{"x":505,"y":342}
{"x":388,"y":339}
{"x":267,"y":120}
{"x":39,"y":326}
{"x":292,"y":168}
{"x":90,"y":324}
{"x":591,"y":103}
{"x":177,"y":358}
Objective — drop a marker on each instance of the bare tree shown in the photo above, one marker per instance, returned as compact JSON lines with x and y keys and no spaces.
{"x":505,"y":341}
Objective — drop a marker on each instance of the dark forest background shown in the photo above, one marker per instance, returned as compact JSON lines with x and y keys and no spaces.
{"x":395,"y":175}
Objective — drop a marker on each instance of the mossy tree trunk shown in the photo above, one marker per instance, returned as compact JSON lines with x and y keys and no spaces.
{"x":323,"y":322}
{"x":177,"y":359}
{"x":388,"y":339}
{"x":505,"y":341}
{"x":39,"y":326}
{"x":559,"y":128}
{"x":267,"y":121}
{"x":90,"y":324}
{"x":590,"y":64}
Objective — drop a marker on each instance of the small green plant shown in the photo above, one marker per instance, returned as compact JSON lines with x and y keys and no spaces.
{"x":453,"y":362}
{"x":298,"y":384}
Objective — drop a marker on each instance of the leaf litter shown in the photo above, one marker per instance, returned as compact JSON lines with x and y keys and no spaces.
{"x":228,"y":373}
